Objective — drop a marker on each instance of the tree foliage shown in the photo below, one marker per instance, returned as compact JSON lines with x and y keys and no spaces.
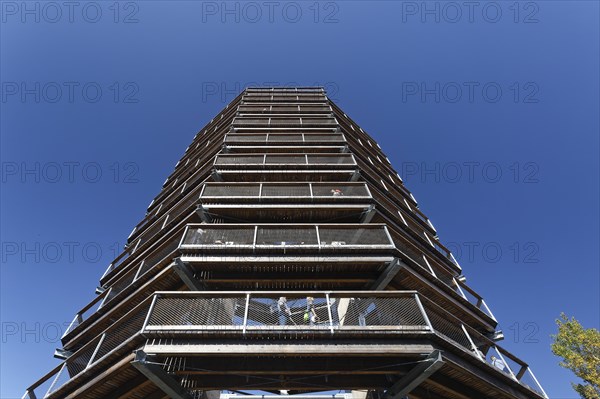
{"x":580,"y":350}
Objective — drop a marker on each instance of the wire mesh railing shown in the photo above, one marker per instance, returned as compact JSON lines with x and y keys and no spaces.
{"x":337,"y":191}
{"x":320,"y":236}
{"x":266,"y":138}
{"x":284,"y":109}
{"x":479,"y":345}
{"x":310,"y":311}
{"x":245,"y":160}
{"x":85,"y":313}
{"x":264,"y":98}
{"x":108,"y":342}
{"x":259,"y":120}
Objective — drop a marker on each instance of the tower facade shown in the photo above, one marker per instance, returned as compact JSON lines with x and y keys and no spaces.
{"x":284,"y":254}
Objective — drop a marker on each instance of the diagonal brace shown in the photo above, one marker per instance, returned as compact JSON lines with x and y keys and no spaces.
{"x":159,"y":377}
{"x":187,"y":276}
{"x":388,"y":274}
{"x":416,"y":376}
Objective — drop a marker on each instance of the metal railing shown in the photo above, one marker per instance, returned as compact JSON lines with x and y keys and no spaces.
{"x":453,"y":329}
{"x":335,"y":314}
{"x":285,"y":109}
{"x":331,"y":312}
{"x":336,"y":191}
{"x":244,"y":160}
{"x":86,"y":312}
{"x":258,"y":120}
{"x":113,"y":340}
{"x":251,"y":98}
{"x":283,"y":137}
{"x":322,"y":236}
{"x":282,"y":89}
{"x":473,"y":297}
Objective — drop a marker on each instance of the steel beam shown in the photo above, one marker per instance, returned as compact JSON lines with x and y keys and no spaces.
{"x":159,"y":377}
{"x":187,"y":276}
{"x":415,"y":377}
{"x":388,"y":274}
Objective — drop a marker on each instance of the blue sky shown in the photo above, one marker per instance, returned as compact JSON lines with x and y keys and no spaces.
{"x":489,"y":112}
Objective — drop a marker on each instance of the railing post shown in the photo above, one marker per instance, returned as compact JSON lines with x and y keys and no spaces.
{"x":488,"y":310}
{"x":310,"y":187}
{"x":318,"y":237}
{"x":460,"y":289}
{"x":505,"y":364}
{"x":150,"y":310}
{"x":422,"y":309}
{"x":473,"y":347}
{"x":137,"y":274}
{"x":429,"y":266}
{"x":95,"y":351}
{"x":51,"y":388}
{"x":389,"y":236}
{"x":185,"y":233}
{"x":329,"y":312}
{"x":108,"y":270}
{"x":254,"y":239}
{"x":71,"y":326}
{"x":29,"y":394}
{"x":105,"y":297}
{"x":538,"y":383}
{"x":246,"y":313}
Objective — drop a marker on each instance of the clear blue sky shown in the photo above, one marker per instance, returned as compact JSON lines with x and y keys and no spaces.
{"x":507,"y":92}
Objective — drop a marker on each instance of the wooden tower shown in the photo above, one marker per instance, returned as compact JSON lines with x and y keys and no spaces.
{"x":284,"y":254}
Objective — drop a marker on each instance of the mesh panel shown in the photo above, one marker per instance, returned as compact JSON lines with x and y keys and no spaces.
{"x":324,"y":137}
{"x":246,"y":138}
{"x":79,"y":361}
{"x":319,"y":121}
{"x":449,"y":329}
{"x":357,"y":236}
{"x":300,"y":190}
{"x":286,"y":159}
{"x":285,"y":122}
{"x":285,"y":137}
{"x":182,"y":206}
{"x":291,"y":108}
{"x":283,"y":311}
{"x":314,"y":108}
{"x":220,"y":236}
{"x":239,"y":160}
{"x":121,"y":284}
{"x":286,"y":236}
{"x":151,"y":231}
{"x":248,"y":121}
{"x":158,"y":256}
{"x":402,"y":311}
{"x":330,"y":159}
{"x":55,"y":383}
{"x":198,"y":312}
{"x":122,"y":331}
{"x":337,"y":190}
{"x":530,"y":382}
{"x":233,"y":190}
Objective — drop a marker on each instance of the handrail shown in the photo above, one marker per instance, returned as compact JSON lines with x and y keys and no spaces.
{"x":108,"y":342}
{"x":79,"y":316}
